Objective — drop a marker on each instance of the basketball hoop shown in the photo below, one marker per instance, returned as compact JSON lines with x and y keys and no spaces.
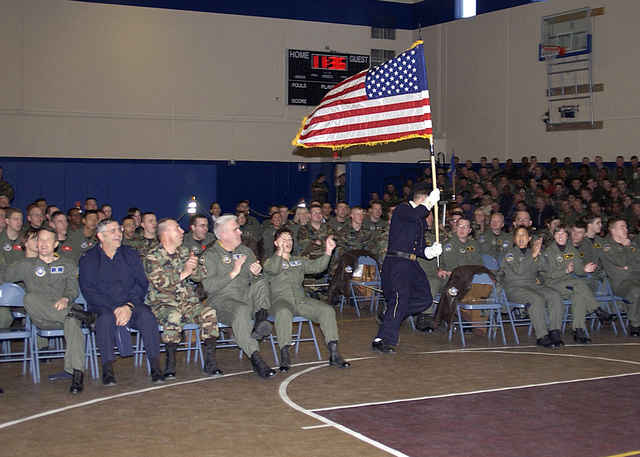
{"x":550,"y":52}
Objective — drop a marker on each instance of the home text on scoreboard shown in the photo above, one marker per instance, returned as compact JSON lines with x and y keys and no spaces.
{"x":312,"y":74}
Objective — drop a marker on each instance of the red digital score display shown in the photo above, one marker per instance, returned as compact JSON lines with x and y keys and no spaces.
{"x":328,"y":62}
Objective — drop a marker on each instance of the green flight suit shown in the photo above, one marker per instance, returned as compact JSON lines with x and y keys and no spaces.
{"x":569,"y":287}
{"x":235,"y":300}
{"x":289,"y":298}
{"x":46,"y":283}
{"x":518,"y":274}
{"x":622,"y":265}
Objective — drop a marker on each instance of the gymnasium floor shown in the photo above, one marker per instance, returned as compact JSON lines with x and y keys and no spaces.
{"x":430,"y":399}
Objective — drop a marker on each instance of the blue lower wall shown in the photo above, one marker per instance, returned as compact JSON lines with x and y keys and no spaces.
{"x":165,"y":187}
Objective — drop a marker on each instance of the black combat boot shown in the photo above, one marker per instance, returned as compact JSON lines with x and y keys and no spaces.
{"x":556,"y":338}
{"x":260,"y":367}
{"x":108,"y":378}
{"x":156,"y":373}
{"x":335,"y":359}
{"x":77,"y":385}
{"x":210,"y":365}
{"x":285,"y":358}
{"x":89,"y":319}
{"x":423,"y":325}
{"x":170,"y":368}
{"x":580,"y":336}
{"x":262,"y":328}
{"x":604,"y":317}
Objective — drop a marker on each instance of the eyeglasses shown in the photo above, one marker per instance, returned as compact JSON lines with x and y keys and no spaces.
{"x":114,"y":230}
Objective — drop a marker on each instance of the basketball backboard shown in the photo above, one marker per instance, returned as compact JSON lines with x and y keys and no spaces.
{"x":571,"y":30}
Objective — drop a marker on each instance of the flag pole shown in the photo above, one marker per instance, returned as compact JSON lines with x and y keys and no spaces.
{"x":435,"y":207}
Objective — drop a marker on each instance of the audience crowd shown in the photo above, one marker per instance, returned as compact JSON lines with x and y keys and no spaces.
{"x":558,"y":231}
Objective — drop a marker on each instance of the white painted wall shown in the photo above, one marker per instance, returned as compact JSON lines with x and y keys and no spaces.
{"x":103,"y":81}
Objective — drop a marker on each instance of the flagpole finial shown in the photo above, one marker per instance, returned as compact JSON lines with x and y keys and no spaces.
{"x":420,"y":31}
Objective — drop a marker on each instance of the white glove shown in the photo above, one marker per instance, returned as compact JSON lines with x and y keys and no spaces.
{"x":432,"y":199}
{"x":433,"y":251}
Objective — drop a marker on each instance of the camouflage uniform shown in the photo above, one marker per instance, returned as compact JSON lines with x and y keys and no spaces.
{"x":569,"y":287}
{"x":311,"y":240}
{"x":380,"y":232}
{"x":173,"y":301}
{"x":235,"y":300}
{"x":46,"y":284}
{"x":144,"y":245}
{"x":349,"y":239}
{"x":319,"y":191}
{"x":289,"y":299}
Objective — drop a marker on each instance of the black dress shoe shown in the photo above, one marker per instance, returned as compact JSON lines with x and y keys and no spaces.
{"x":77,"y":385}
{"x":634,"y":331}
{"x":423,"y":325}
{"x":156,"y":376}
{"x":382,"y":347}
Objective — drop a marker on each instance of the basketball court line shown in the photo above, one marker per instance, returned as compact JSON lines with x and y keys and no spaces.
{"x":127,"y":394}
{"x":330,"y":423}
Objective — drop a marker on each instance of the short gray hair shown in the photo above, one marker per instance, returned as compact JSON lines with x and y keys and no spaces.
{"x":221,"y":222}
{"x":102,"y":225}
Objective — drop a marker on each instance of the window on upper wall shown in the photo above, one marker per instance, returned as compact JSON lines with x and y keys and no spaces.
{"x":381,"y":55}
{"x":465,"y":8}
{"x":383,"y":27}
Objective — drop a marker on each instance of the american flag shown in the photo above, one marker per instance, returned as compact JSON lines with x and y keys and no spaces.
{"x":387,"y":103}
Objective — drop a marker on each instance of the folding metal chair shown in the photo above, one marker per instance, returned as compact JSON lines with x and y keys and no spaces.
{"x":58,"y":350}
{"x":11,"y":296}
{"x":296,"y":336}
{"x":488,"y":303}
{"x":188,"y":345}
{"x":373,"y":286}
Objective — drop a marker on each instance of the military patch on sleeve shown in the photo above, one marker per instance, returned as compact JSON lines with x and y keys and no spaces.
{"x":447,"y":247}
{"x":509,"y":258}
{"x":505,"y":244}
{"x":559,"y":257}
{"x":606,"y":248}
{"x":348,"y":269}
{"x":40,"y":272}
{"x":285,"y":264}
{"x":481,"y":239}
{"x":226,"y":259}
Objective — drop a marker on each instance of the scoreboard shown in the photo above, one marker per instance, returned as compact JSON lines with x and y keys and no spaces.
{"x":313,"y":74}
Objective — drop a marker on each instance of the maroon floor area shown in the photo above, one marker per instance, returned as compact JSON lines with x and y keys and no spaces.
{"x":581,"y":419}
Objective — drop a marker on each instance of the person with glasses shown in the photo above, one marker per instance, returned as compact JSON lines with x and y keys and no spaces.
{"x":114,"y":283}
{"x":199,"y":236}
